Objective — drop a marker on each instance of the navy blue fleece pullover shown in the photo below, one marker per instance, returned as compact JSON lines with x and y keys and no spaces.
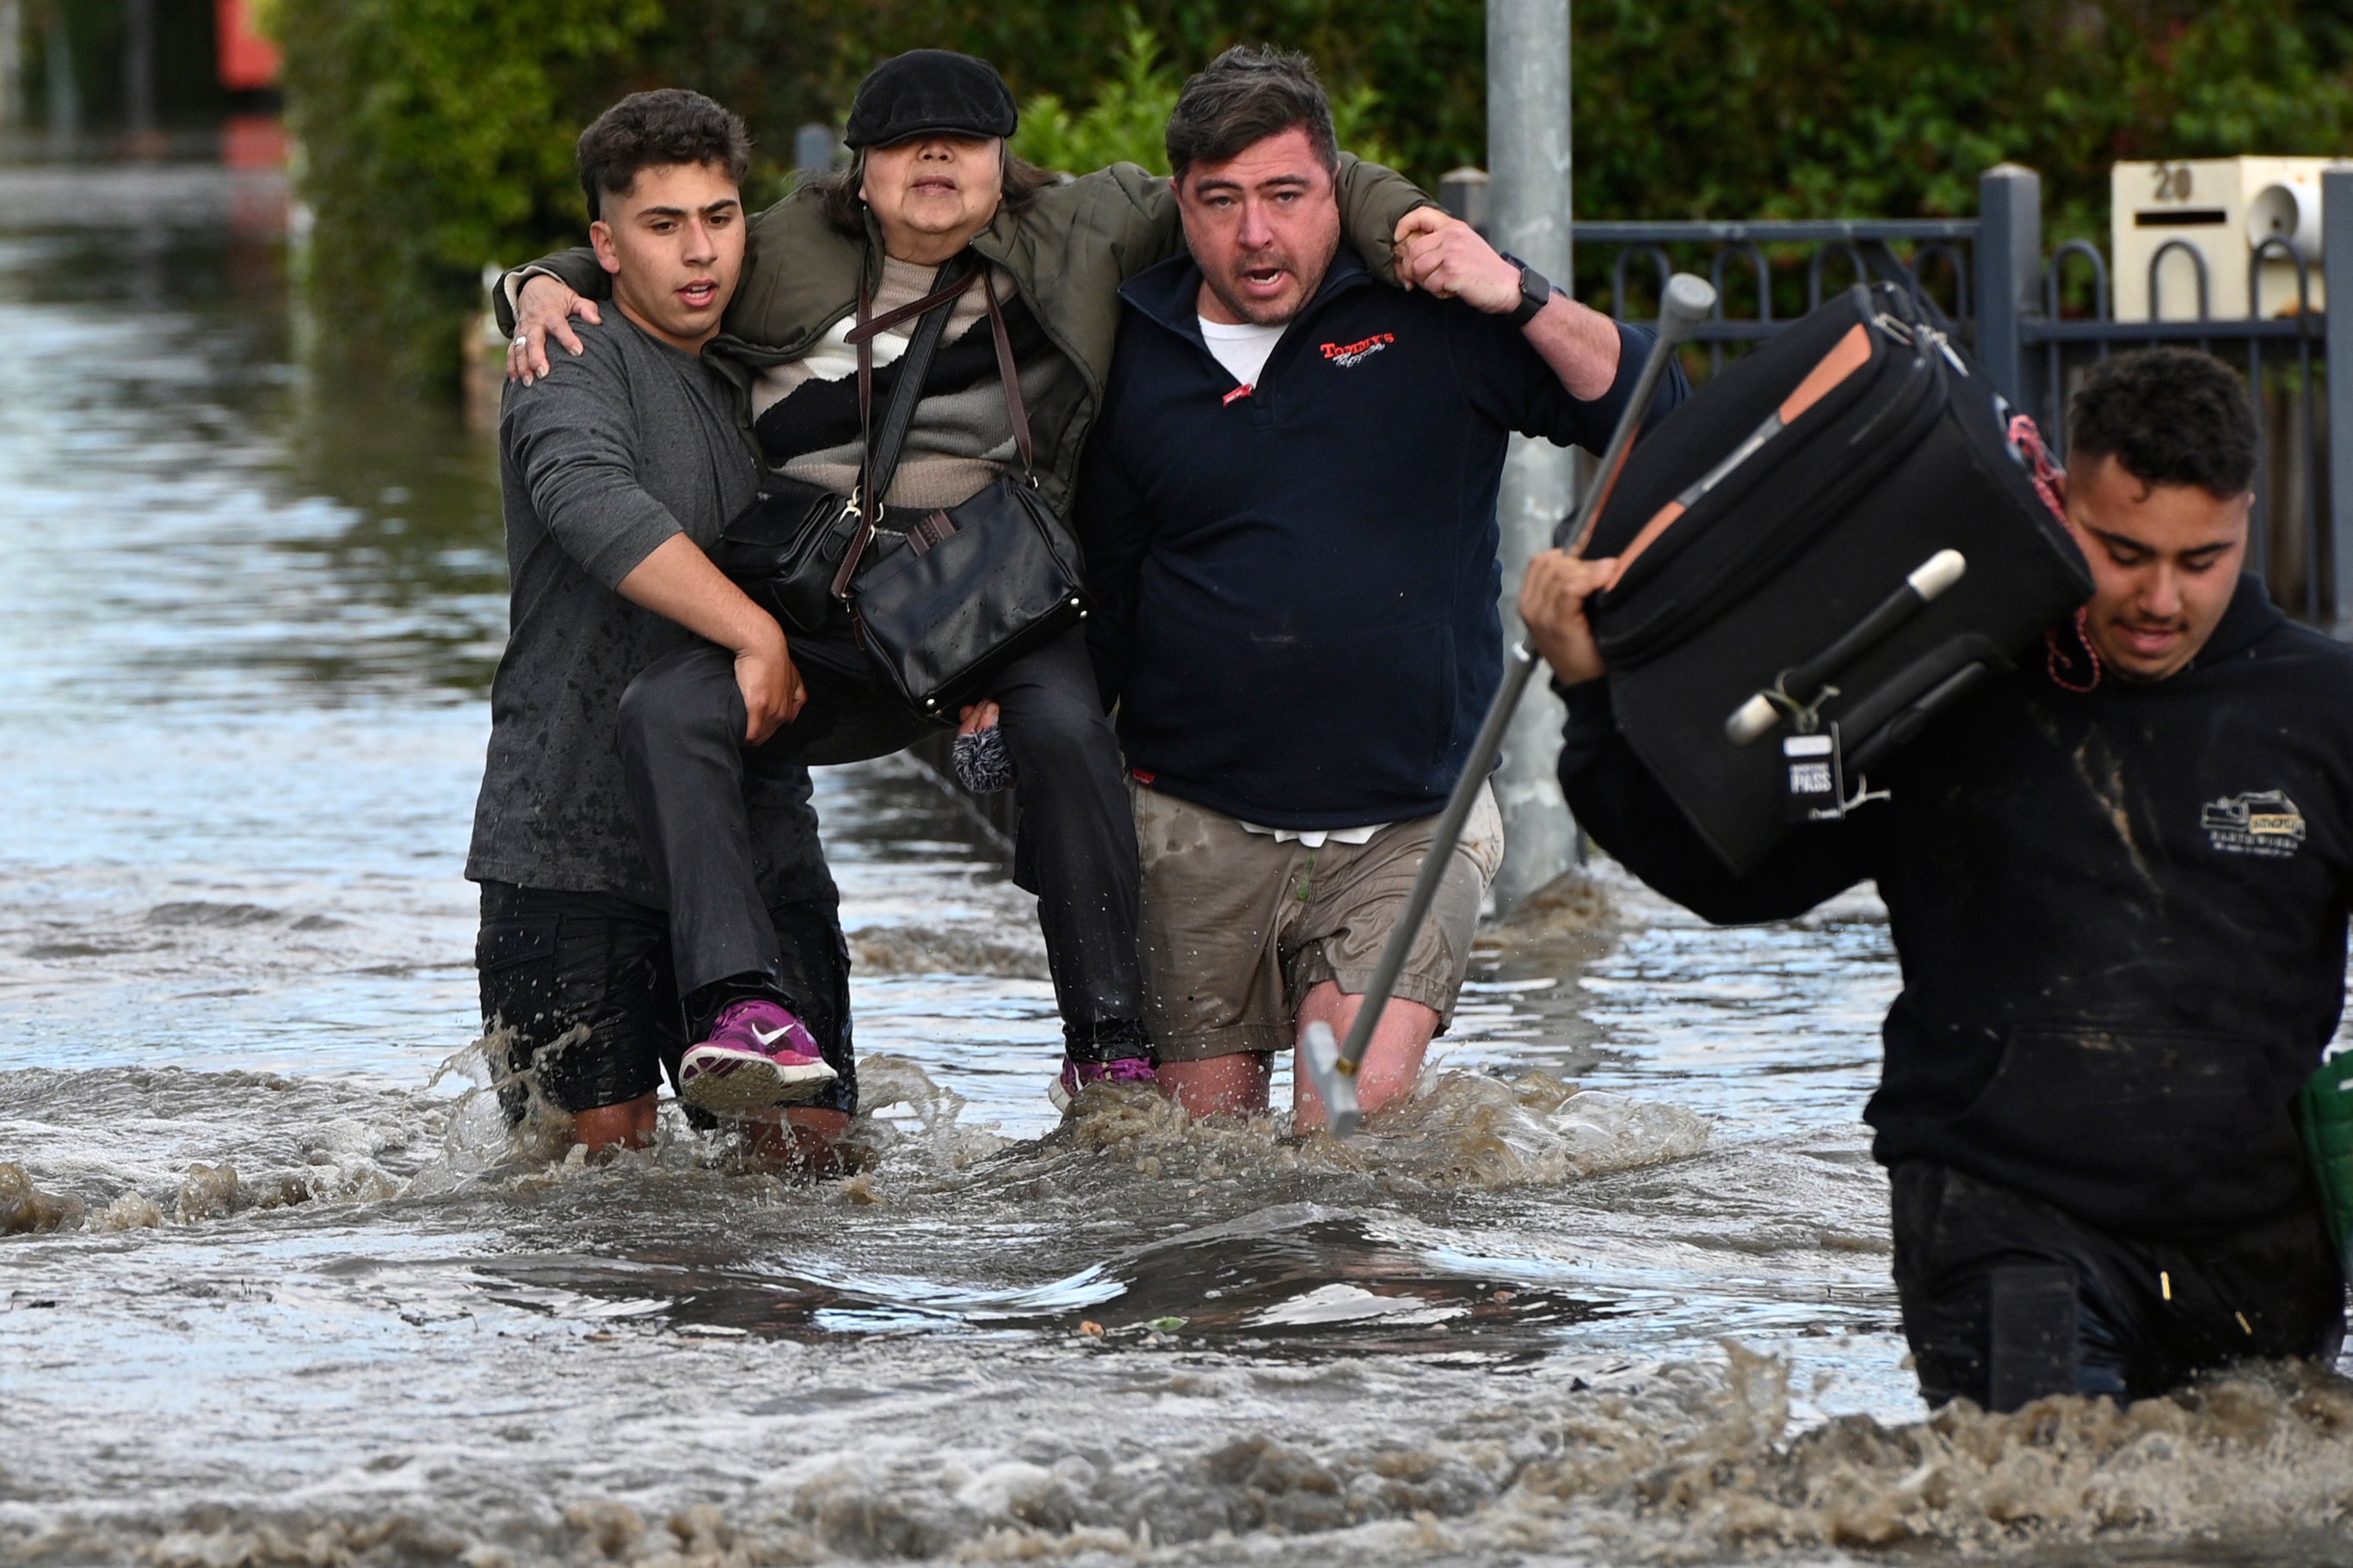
{"x":1297,"y":582}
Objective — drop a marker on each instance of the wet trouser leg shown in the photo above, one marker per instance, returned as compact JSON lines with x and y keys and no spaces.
{"x":579,"y":987}
{"x":577,"y":994}
{"x":812,"y":971}
{"x":2006,"y":1300}
{"x":688,"y":770}
{"x":697,"y":791}
{"x":1076,"y":844}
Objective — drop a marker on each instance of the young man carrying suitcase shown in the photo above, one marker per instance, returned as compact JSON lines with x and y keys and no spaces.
{"x":618,"y":467}
{"x":1289,"y":513}
{"x":2118,"y":882}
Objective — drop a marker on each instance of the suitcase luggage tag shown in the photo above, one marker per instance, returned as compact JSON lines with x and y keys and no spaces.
{"x":1813,"y":773}
{"x":1813,"y":777}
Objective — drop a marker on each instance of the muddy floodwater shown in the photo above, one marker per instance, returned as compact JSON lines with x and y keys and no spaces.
{"x":277,"y":1288}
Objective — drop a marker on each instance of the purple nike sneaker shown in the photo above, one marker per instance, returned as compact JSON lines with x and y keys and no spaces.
{"x":1076,"y":1076}
{"x":758,"y":1056}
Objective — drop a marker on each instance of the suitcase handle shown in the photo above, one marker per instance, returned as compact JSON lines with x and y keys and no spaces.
{"x":1798,"y":692}
{"x":1895,"y":715}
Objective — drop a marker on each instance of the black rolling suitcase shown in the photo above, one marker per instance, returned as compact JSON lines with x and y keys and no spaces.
{"x":1831,"y":541}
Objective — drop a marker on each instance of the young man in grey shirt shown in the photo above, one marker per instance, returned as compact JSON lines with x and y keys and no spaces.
{"x":618,"y":468}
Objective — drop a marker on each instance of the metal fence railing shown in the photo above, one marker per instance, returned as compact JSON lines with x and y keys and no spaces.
{"x":2036,"y":321}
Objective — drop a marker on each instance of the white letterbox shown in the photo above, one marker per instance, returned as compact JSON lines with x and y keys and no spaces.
{"x":2218,"y":210}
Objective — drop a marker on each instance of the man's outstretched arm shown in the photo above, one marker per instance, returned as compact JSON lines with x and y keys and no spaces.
{"x":1628,"y":813}
{"x":534,"y":304}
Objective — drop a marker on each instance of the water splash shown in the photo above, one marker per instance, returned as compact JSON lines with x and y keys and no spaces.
{"x":1461,"y":1131}
{"x":25,"y":1207}
{"x":2263,"y":1453}
{"x":1685,"y":1463}
{"x":1002,"y":949}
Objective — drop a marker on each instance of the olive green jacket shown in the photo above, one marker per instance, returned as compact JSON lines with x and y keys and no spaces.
{"x":1068,"y":250}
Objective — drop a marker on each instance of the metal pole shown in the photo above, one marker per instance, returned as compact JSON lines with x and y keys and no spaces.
{"x":139,"y":73}
{"x":12,"y":64}
{"x":1529,"y":164}
{"x":813,"y":149}
{"x":1469,"y":195}
{"x":64,"y":96}
{"x":2336,"y":277}
{"x":2009,"y":278}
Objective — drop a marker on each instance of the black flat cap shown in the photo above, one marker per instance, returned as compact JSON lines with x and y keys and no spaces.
{"x":930,"y":90}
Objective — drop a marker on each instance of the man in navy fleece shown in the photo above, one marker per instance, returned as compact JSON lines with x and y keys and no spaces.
{"x":1288,"y":514}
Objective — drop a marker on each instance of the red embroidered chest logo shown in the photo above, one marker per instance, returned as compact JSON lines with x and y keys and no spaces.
{"x":1346,"y":354}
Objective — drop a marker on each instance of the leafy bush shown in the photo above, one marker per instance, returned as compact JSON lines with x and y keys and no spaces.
{"x":437,"y":134}
{"x":1128,"y":120}
{"x":1124,"y":123}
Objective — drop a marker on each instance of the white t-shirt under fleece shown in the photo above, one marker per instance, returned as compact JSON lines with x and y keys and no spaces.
{"x":1242,"y":349}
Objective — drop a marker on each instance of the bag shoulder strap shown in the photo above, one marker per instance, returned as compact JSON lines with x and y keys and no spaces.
{"x":882,"y":448}
{"x":883,"y":455}
{"x":882,"y":451}
{"x":1010,"y":375}
{"x":868,"y":327}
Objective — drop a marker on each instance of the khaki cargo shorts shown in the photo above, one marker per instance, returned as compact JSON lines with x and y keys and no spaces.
{"x":1236,"y":928}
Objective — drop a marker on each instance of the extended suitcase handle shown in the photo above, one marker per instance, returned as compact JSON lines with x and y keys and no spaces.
{"x":1797,"y":691}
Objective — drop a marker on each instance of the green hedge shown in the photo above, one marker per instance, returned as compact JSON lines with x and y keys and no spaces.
{"x":436,"y":133}
{"x":435,"y":136}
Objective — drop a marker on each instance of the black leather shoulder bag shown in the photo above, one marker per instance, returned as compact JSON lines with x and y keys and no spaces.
{"x":787,"y":547}
{"x":948,"y":601}
{"x":964,"y":591}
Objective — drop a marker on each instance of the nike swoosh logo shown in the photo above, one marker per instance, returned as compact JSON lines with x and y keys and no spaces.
{"x":768,"y":1037}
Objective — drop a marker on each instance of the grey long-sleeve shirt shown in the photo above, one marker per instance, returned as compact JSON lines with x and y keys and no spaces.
{"x":604,"y":459}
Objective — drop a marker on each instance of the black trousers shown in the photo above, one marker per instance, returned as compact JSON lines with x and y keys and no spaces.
{"x":2007,"y":1299}
{"x":696,"y":786}
{"x":580,"y":989}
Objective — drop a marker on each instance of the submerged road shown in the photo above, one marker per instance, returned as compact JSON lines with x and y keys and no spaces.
{"x":1614,"y":1288}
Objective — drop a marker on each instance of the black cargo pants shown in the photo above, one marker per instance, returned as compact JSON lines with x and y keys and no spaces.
{"x":2007,"y":1299}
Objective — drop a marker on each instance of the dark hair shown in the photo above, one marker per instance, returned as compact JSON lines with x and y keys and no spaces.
{"x":845,"y":210}
{"x":654,"y":130}
{"x":1243,"y":96}
{"x":2172,"y":416}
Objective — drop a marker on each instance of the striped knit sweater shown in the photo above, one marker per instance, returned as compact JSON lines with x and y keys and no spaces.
{"x":805,"y":410}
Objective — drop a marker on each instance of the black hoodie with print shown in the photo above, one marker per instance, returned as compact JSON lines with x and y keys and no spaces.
{"x":2121,"y":915}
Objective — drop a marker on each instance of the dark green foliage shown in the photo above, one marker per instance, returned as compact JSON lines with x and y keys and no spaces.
{"x":439,"y":131}
{"x":1868,"y":107}
{"x":436,"y":136}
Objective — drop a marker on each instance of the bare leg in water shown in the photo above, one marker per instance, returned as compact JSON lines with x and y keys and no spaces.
{"x":1239,"y":1084}
{"x":800,"y":1140}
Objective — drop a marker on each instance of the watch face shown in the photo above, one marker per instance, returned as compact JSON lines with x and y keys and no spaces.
{"x":1536,"y":294}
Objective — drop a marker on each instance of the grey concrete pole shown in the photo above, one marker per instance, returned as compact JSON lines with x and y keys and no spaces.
{"x":1528,"y":160}
{"x":64,"y":98}
{"x":813,"y":149}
